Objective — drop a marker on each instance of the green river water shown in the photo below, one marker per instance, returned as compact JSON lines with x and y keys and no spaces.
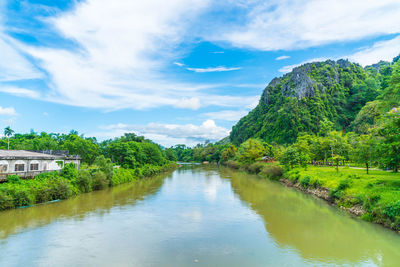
{"x":196,"y":216}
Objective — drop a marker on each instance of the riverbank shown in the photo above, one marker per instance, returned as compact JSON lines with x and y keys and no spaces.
{"x":17,"y":193}
{"x":374,"y":197}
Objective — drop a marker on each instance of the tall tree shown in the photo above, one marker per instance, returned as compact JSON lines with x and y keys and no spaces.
{"x":8,"y":132}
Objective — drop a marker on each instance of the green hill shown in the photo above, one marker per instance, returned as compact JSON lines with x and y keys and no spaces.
{"x":333,"y":90}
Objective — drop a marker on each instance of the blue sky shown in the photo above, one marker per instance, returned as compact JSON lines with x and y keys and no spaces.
{"x":178,"y":71}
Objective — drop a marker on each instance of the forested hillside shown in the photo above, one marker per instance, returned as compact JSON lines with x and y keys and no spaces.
{"x":342,"y":92}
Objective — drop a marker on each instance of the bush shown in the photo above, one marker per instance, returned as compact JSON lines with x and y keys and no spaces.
{"x":123,"y":176}
{"x":272,"y":171}
{"x":99,"y":180}
{"x":392,"y":211}
{"x":305,"y":181}
{"x":61,"y":189}
{"x":315,"y":183}
{"x":43,"y":194}
{"x":337,"y":193}
{"x":232,"y":164}
{"x":6,"y":201}
{"x":14,"y":179}
{"x":84,"y":181}
{"x":22,"y":198}
{"x":69,"y":171}
{"x":256,"y":167}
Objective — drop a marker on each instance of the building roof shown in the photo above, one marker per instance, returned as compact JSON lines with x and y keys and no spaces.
{"x":24,"y":154}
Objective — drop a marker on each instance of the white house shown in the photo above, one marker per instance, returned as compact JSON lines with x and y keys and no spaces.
{"x":30,"y":163}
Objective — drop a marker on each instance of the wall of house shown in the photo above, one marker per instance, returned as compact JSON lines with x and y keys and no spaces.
{"x":44,"y":165}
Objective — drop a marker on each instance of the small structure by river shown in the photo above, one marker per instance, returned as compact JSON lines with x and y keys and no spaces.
{"x":30,"y":163}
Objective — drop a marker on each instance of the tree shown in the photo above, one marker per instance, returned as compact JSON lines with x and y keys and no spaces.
{"x":390,"y":145}
{"x":290,"y":157}
{"x":364,"y":150}
{"x":8,"y":132}
{"x":251,"y":150}
{"x":229,"y":152}
{"x":303,"y":152}
{"x":339,"y":147}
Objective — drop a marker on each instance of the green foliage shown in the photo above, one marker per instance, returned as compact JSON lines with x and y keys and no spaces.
{"x":6,"y":201}
{"x":390,"y":145}
{"x":272,"y":171}
{"x":255,"y":167}
{"x":14,"y":179}
{"x":69,"y":171}
{"x":84,"y":181}
{"x":304,"y":182}
{"x":316,"y":98}
{"x":250,"y":150}
{"x":99,"y":180}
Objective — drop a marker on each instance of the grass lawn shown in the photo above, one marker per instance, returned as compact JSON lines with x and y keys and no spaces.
{"x":378,"y":192}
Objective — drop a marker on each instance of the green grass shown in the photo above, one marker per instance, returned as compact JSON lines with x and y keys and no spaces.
{"x":377,"y":192}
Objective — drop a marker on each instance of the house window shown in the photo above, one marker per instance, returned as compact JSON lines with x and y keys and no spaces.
{"x":34,"y":167}
{"x":19,"y":167}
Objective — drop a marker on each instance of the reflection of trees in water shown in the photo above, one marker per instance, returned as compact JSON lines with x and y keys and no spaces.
{"x":316,"y":230}
{"x":100,"y":202}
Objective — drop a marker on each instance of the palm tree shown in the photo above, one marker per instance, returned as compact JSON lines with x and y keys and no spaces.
{"x":8,"y":132}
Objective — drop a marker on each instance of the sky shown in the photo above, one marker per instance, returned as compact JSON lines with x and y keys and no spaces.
{"x":176,"y":71}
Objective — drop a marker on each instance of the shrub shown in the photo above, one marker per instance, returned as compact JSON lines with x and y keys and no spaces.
{"x":123,"y":176}
{"x":14,"y":179}
{"x":6,"y":201}
{"x":232,"y":164}
{"x":22,"y":198}
{"x":69,"y":171}
{"x":392,"y":210}
{"x":305,"y":181}
{"x":272,"y":171}
{"x":43,"y":194}
{"x":84,"y":181}
{"x":61,"y":189}
{"x":99,"y":181}
{"x":256,"y":167}
{"x":337,"y":193}
{"x":315,"y":183}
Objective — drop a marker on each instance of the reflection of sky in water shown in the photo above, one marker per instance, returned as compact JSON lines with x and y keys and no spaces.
{"x":194,"y":215}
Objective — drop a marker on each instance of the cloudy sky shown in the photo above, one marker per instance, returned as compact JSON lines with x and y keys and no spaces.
{"x":176,"y":71}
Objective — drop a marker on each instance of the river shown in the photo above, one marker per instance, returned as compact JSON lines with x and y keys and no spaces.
{"x":195,"y":216}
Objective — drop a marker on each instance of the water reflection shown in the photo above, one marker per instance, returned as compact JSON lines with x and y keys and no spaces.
{"x":312,"y":227}
{"x":99,"y":202}
{"x":190,"y":215}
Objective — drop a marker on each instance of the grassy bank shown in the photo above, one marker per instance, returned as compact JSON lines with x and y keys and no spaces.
{"x":68,"y":183}
{"x":375,"y":197}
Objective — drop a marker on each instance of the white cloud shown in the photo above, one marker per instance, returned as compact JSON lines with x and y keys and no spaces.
{"x":282,"y":57}
{"x":10,"y":111}
{"x":384,"y":50}
{"x":218,"y":52}
{"x":124,"y":48}
{"x":293,"y":24}
{"x":216,"y":69}
{"x":289,"y":68}
{"x":19,"y":92}
{"x":170,"y":134}
{"x":227,"y":115}
{"x":13,"y":65}
{"x":179,"y":64}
